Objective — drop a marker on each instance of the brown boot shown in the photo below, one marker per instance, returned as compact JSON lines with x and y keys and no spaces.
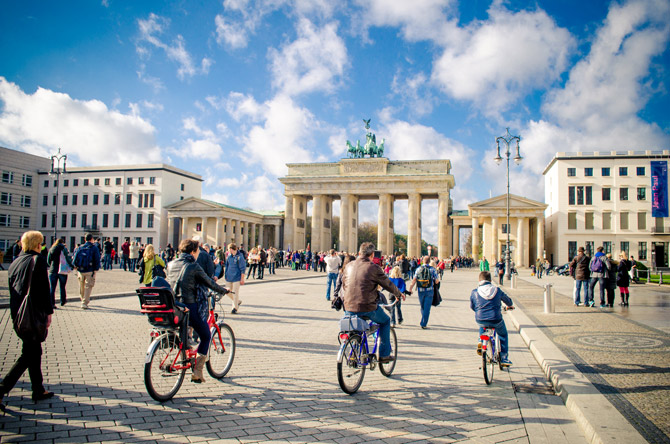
{"x":198,"y":376}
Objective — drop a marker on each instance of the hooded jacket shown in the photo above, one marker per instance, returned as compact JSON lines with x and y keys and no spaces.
{"x":485,"y":301}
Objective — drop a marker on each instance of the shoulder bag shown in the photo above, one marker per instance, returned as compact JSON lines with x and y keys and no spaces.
{"x":437,"y":298}
{"x":30,"y":325}
{"x":63,"y":266}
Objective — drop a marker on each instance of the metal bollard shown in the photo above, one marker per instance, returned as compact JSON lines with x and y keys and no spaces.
{"x":513,"y":282}
{"x":549,"y":306}
{"x":660,"y":278}
{"x":648,"y":276}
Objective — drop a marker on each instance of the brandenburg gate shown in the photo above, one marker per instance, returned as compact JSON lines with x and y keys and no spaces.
{"x":353,"y":180}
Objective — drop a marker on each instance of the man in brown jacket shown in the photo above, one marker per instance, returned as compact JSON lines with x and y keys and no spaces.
{"x":359,"y":286}
{"x":579,"y":269}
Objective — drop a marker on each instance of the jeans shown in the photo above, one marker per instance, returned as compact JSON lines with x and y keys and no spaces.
{"x":426,"y":302}
{"x":261,"y":271}
{"x":397,"y":306}
{"x":107,"y":262}
{"x":380,"y":317}
{"x":30,"y":359}
{"x":133,"y":264}
{"x":580,"y":284}
{"x":271,"y":267}
{"x":125,"y":262}
{"x":332,"y":279}
{"x":592,"y":287}
{"x":502,"y":334}
{"x":62,"y":280}
{"x":200,"y":327}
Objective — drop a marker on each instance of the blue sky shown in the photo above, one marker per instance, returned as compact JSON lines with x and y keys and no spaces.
{"x":234,"y":90}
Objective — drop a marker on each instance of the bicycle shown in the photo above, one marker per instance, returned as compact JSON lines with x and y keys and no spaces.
{"x":354,"y":355}
{"x":167,"y":357}
{"x":491,"y":351}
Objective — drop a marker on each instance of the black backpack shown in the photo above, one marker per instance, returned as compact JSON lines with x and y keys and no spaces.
{"x":83,"y":257}
{"x":424,"y":277}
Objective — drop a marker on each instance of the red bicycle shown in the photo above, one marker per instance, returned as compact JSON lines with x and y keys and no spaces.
{"x":168,"y":357}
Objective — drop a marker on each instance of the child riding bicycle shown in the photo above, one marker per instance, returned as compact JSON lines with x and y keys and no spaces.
{"x":485,"y":301}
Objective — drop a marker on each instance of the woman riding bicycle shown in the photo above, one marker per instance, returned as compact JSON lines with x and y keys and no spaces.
{"x":184,"y":274}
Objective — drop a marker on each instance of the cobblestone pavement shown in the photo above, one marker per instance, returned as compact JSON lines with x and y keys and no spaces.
{"x":283,"y":384}
{"x":627,"y":360}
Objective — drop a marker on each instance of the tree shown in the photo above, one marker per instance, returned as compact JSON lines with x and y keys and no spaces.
{"x":367,"y":232}
{"x":335,"y":231}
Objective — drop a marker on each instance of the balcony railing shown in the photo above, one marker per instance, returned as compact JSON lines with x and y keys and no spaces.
{"x":660,"y":230}
{"x":92,"y":228}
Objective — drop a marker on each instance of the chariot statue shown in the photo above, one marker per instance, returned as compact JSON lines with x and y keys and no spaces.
{"x":369,"y":149}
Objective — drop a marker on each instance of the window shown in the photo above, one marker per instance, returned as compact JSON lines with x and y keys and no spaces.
{"x":658,"y":224}
{"x":588,"y":172}
{"x":117,"y":217}
{"x":182,"y":187}
{"x":45,"y":200}
{"x":63,"y":220}
{"x":140,"y":180}
{"x":130,"y":181}
{"x":64,"y":199}
{"x":607,"y":247}
{"x":66,"y":183}
{"x":623,"y":221}
{"x":75,"y":182}
{"x":607,"y":221}
{"x":5,"y":198}
{"x":625,"y":246}
{"x":572,"y":221}
{"x":641,"y":220}
{"x":588,"y":221}
{"x":94,"y":220}
{"x":7,"y":177}
{"x":5,"y":220}
{"x":128,"y":215}
{"x":152,"y":181}
{"x":44,"y":220}
{"x":580,"y":194}
{"x":505,"y":228}
{"x":27,"y":181}
{"x":605,"y":172}
{"x":198,"y":227}
{"x":74,"y":199}
{"x":572,"y":172}
{"x":53,"y":200}
{"x":95,"y":199}
{"x":150,"y":240}
{"x":24,"y":222}
{"x":105,"y":220}
{"x":105,"y":199}
{"x":572,"y":249}
{"x":118,"y":181}
{"x":53,"y":220}
{"x":117,"y":199}
{"x":84,"y":199}
{"x":623,"y":193}
{"x":129,"y":198}
{"x":96,"y":182}
{"x":150,"y":220}
{"x":73,"y":220}
{"x":589,"y":248}
{"x":589,"y":195}
{"x":151,"y":200}
{"x":84,"y":220}
{"x":607,"y":194}
{"x":641,"y":193}
{"x":642,"y":251}
{"x":623,"y":171}
{"x":571,"y":195}
{"x":46,"y":183}
{"x":107,"y":181}
{"x":138,"y":223}
{"x":55,"y":183}
{"x":640,"y":171}
{"x":85,"y":182}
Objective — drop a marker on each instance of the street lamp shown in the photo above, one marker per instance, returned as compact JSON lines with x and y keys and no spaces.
{"x":57,"y":170}
{"x":507,"y":139}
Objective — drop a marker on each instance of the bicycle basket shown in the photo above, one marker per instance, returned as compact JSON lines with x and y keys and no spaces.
{"x":158,"y":304}
{"x":353,"y":323}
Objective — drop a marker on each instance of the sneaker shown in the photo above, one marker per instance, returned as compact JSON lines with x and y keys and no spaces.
{"x":591,"y":304}
{"x":42,"y":396}
{"x":603,"y":305}
{"x":84,"y":307}
{"x":400,"y":321}
{"x":505,"y":362}
{"x":233,"y":311}
{"x":479,"y":348}
{"x":386,"y":359}
{"x":424,"y":327}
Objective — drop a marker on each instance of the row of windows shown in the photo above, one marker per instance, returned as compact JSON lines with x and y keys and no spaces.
{"x":6,"y":221}
{"x":145,"y":200}
{"x":84,"y":221}
{"x":607,"y":248}
{"x":583,"y":194}
{"x":26,"y":179}
{"x":7,"y":199}
{"x":96,"y":182}
{"x":606,"y":172}
{"x":624,"y":217}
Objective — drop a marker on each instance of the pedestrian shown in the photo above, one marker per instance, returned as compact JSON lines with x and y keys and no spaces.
{"x":125,"y":254}
{"x":2,"y":258}
{"x":254,"y":257}
{"x":235,"y":266}
{"x":623,"y":278}
{"x":596,"y":267}
{"x":27,"y":277}
{"x":262,"y":262}
{"x":425,"y":278}
{"x":58,"y":271}
{"x":539,"y":268}
{"x":149,"y":261}
{"x":134,"y":255}
{"x":398,"y":281}
{"x":483,"y":264}
{"x":332,"y":267}
{"x":16,"y":249}
{"x":500,"y":269}
{"x":87,"y":262}
{"x":107,"y":248}
{"x":609,"y":275}
{"x":579,"y":270}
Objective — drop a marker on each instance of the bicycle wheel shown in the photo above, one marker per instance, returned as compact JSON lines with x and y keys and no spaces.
{"x":350,"y":371}
{"x":160,"y":378}
{"x":221,"y":351}
{"x":388,"y":367}
{"x":488,"y":363}
{"x":498,"y":359}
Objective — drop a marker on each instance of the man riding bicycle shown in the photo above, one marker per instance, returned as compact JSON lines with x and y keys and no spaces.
{"x":485,"y":301}
{"x":360,"y":280}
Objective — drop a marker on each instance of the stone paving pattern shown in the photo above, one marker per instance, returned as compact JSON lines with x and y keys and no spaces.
{"x":627,"y":360}
{"x":283,"y":384}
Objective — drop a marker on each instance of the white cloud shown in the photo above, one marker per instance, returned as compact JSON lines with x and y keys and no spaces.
{"x":205,"y":147}
{"x":217,"y":197}
{"x":154,"y":82}
{"x":315,"y":61}
{"x":86,"y":129}
{"x":150,"y":30}
{"x":264,"y":193}
{"x":240,"y":106}
{"x":414,"y":92}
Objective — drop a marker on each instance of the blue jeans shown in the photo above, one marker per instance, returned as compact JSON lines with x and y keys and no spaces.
{"x":133,"y":264}
{"x":332,"y":279}
{"x":200,"y":327}
{"x":125,"y":262}
{"x":107,"y":262}
{"x":61,"y":279}
{"x":380,"y":317}
{"x":580,"y":284}
{"x":426,"y":302}
{"x":397,"y":306}
{"x":592,"y":287}
{"x":502,"y":334}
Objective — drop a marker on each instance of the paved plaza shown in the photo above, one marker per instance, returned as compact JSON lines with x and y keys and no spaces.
{"x":283,"y":384}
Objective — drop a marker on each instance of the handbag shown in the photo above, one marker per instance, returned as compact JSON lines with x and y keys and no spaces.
{"x":158,"y":270}
{"x":437,"y":298}
{"x":30,"y":325}
{"x":63,"y":266}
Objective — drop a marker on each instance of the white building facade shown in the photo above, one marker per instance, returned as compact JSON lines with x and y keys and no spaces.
{"x":604,"y":199}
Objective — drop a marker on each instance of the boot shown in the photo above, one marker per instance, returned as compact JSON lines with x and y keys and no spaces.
{"x":198,"y":376}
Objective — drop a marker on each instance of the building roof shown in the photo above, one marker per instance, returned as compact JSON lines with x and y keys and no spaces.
{"x":648,"y":154}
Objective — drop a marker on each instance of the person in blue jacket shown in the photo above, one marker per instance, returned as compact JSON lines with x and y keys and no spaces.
{"x":485,"y":301}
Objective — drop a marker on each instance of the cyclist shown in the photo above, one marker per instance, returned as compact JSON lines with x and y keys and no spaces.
{"x":184,"y":274}
{"x":360,"y":280}
{"x":485,"y":301}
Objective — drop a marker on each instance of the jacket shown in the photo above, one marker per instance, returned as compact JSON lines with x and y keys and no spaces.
{"x":235,"y":266}
{"x":134,"y":251}
{"x":485,"y":301}
{"x":193,"y":275}
{"x":580,"y":265}
{"x":623,"y":278}
{"x":125,"y":248}
{"x":359,"y":285}
{"x":609,"y":273}
{"x":95,"y":266}
{"x":39,"y":286}
{"x":53,"y":258}
{"x":146,"y":271}
{"x":484,"y":265}
{"x":598,"y":257}
{"x":206,"y":262}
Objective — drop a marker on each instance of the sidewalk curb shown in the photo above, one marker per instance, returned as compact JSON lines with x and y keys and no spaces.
{"x":600,"y":421}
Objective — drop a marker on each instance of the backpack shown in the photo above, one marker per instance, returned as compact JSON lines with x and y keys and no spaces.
{"x":423,"y":277}
{"x":596,"y":265}
{"x":83,"y":258}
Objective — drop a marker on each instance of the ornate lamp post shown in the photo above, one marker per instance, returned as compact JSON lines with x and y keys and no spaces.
{"x":507,"y":139}
{"x":57,"y":170}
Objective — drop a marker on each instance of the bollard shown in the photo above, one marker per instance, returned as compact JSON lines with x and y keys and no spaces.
{"x":513,"y":282}
{"x":648,"y":276}
{"x":660,"y":278}
{"x":549,"y":298}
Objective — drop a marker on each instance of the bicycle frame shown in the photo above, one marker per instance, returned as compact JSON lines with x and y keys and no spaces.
{"x":489,"y":336}
{"x":364,"y":347}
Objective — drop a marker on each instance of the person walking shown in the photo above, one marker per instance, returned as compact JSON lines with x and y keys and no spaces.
{"x":125,"y":254}
{"x":234,"y":275}
{"x":500,"y":269}
{"x":147,"y":264}
{"x":58,"y":271}
{"x":134,"y":254}
{"x":107,"y":248}
{"x":579,"y":270}
{"x":397,"y":280}
{"x":27,"y":277}
{"x":262,"y":262}
{"x":425,"y":279}
{"x":623,"y":278}
{"x":332,"y":267}
{"x":483,"y":264}
{"x":87,"y":262}
{"x":253,"y":262}
{"x":539,"y":268}
{"x":597,"y":276}
{"x":609,"y":275}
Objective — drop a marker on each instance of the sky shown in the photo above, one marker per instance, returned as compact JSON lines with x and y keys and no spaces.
{"x":234,"y":90}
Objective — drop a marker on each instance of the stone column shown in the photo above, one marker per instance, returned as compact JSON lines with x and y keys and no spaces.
{"x":326,"y":225}
{"x":494,"y":239}
{"x":475,"y":239}
{"x":184,"y":229}
{"x":353,"y":227}
{"x":261,"y":241}
{"x":413,"y":225}
{"x":289,"y":222}
{"x":345,"y":216}
{"x":518,"y":257}
{"x":238,"y":234}
{"x":219,"y":231}
{"x":317,"y":222}
{"x":391,"y":241}
{"x":250,"y":235}
{"x":456,"y":243}
{"x":230,"y":237}
{"x":383,"y":223}
{"x":276,"y":244}
{"x":300,"y":218}
{"x":540,"y":237}
{"x":170,"y":230}
{"x":442,"y":224}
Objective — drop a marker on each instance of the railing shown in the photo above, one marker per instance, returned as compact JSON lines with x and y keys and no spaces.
{"x":659,"y":230}
{"x":92,"y":228}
